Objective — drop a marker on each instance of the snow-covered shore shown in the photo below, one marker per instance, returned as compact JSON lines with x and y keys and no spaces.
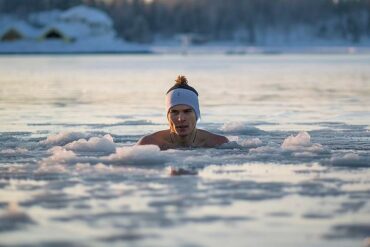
{"x":60,"y":47}
{"x":238,"y":49}
{"x":119,"y":46}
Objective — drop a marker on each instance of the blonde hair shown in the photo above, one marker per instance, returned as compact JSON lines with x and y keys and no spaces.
{"x":181,"y":80}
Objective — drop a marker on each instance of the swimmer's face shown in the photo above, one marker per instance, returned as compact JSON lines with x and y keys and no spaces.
{"x":182,"y":120}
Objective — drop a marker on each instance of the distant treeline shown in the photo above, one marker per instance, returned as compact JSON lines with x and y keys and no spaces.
{"x":250,"y":21}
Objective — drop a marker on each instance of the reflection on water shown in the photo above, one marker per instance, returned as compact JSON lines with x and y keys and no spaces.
{"x":295,"y":173}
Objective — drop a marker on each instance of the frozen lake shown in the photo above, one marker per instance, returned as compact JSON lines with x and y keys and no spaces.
{"x":297,"y":172}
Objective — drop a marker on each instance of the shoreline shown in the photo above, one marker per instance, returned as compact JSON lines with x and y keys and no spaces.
{"x":206,"y":50}
{"x":95,"y":47}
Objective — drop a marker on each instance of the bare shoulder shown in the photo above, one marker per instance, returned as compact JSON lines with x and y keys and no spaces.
{"x":156,"y":138}
{"x":146,"y":140}
{"x":211,"y":139}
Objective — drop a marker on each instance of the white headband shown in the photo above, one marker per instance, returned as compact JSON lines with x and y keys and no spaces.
{"x":180,"y":96}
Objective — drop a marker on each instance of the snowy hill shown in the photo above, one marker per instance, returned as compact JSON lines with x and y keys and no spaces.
{"x":79,"y":29}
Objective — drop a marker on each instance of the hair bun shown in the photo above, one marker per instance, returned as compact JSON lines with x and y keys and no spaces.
{"x":181,"y":80}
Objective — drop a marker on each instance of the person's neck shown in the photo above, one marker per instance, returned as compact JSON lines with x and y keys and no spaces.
{"x":184,"y":141}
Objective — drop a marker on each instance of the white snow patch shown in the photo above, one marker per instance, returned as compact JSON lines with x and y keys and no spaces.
{"x":250,"y":143}
{"x":301,"y":143}
{"x":59,"y":155}
{"x":94,"y":144}
{"x":103,"y":150}
{"x":138,"y":155}
{"x":236,"y":142}
{"x":302,"y":139}
{"x":53,"y":168}
{"x":349,"y":159}
{"x":63,"y":138}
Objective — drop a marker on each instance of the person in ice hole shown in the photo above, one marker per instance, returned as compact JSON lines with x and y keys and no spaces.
{"x":183,"y":113}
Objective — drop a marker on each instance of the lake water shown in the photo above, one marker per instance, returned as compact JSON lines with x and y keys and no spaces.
{"x":297,"y":172}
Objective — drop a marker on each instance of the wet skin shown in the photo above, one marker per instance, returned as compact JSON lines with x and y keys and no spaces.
{"x":182,"y":121}
{"x":182,"y":132}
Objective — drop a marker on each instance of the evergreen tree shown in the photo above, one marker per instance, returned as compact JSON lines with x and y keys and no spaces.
{"x":140,"y":20}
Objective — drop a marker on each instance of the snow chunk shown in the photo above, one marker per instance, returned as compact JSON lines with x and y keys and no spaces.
{"x":349,"y":160}
{"x":60,"y":155}
{"x":301,"y":143}
{"x":302,"y":139}
{"x":236,"y":143}
{"x":250,"y":143}
{"x":94,"y":144}
{"x":63,"y":138}
{"x":138,"y":155}
{"x":106,"y":153}
{"x":47,"y":169}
